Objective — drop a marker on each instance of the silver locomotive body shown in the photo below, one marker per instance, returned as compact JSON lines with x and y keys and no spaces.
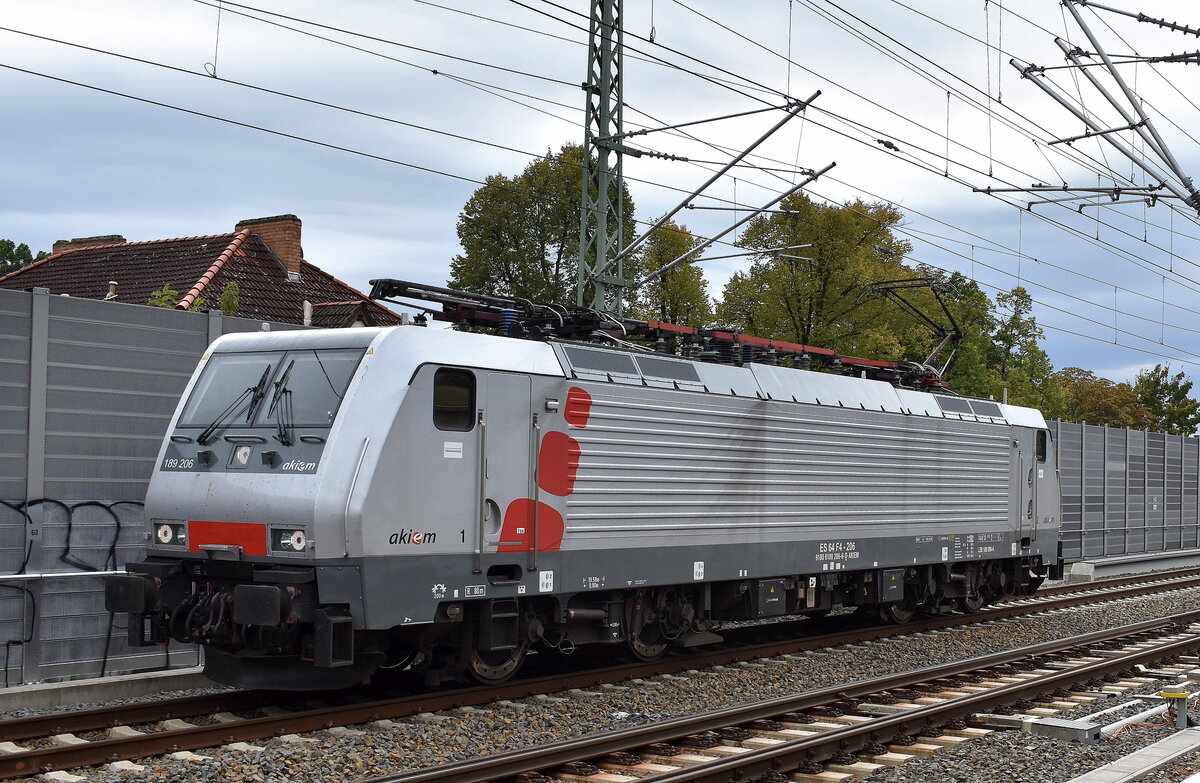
{"x":327,"y":503}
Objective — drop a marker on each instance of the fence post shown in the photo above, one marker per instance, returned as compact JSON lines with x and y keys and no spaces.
{"x":216,"y":325}
{"x":35,"y":471}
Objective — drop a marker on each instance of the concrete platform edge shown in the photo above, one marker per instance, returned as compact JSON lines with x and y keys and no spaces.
{"x":1144,"y":761}
{"x":59,"y":694}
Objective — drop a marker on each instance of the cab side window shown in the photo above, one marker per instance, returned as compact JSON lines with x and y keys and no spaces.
{"x":453,"y":399}
{"x":1040,"y":445}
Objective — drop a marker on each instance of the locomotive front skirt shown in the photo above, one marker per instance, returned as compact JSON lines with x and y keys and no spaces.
{"x":329,"y":502}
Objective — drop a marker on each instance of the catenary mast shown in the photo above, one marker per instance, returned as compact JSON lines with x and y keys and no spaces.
{"x":600,"y":230}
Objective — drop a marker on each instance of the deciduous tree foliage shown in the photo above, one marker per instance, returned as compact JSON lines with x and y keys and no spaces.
{"x":826,"y":301}
{"x":231,"y":298}
{"x":1091,"y":399}
{"x":14,"y":256}
{"x":821,"y":301}
{"x":163,"y":297}
{"x":1166,"y":398}
{"x":678,"y":296}
{"x":520,"y":235}
{"x":1022,"y":365}
{"x":970,"y":372}
{"x":168,"y":296}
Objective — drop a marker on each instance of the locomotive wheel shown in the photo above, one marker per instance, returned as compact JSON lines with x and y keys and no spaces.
{"x":647,"y":645}
{"x":971,"y":604}
{"x":898,"y":612}
{"x":495,"y":666}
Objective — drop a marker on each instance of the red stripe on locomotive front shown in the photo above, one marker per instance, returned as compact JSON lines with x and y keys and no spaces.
{"x":250,"y":536}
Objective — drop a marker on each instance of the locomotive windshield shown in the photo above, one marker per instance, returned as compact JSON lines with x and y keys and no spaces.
{"x":232,"y":387}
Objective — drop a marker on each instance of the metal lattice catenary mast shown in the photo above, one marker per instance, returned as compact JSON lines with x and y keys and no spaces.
{"x":600,"y":230}
{"x":602,"y":284}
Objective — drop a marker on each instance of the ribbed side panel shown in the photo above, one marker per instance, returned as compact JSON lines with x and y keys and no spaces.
{"x":14,"y":413}
{"x":658,"y":463}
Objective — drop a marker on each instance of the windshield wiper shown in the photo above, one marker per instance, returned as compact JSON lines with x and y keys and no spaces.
{"x":253,"y":393}
{"x":257,"y":393}
{"x":281,"y":406}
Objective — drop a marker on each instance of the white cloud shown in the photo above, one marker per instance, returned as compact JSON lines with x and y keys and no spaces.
{"x":84,"y":163}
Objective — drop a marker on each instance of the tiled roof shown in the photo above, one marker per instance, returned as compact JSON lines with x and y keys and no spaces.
{"x":198,"y":268}
{"x":331,"y":314}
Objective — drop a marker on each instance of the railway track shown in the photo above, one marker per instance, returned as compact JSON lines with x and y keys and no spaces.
{"x":1115,"y":581}
{"x":851,"y":729}
{"x":53,"y":742}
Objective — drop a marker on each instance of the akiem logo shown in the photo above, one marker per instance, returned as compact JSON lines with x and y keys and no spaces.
{"x":412,"y":537}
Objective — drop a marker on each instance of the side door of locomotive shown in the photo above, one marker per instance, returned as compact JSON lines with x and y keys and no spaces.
{"x":508,"y":448}
{"x":1038,"y":481}
{"x":1046,"y":487}
{"x":1025,"y":478}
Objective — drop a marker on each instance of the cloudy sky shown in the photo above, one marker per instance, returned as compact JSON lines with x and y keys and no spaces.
{"x":211,"y":114}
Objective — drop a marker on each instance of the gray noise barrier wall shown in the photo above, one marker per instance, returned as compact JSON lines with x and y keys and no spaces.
{"x":1126,"y":492}
{"x":87,"y":389}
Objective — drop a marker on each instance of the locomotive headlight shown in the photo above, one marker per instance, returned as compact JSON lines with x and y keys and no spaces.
{"x":288,"y":539}
{"x":168,"y":533}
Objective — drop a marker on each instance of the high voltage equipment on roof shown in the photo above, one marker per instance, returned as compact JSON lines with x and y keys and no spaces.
{"x":522,"y":318}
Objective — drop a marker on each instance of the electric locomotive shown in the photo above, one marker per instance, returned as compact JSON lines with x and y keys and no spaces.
{"x":326,"y":503}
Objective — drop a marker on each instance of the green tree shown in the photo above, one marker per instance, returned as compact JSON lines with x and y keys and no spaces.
{"x":1167,"y":399}
{"x":680,"y":294}
{"x":163,"y":297}
{"x":231,"y":296}
{"x":816,"y":296}
{"x":168,"y":296}
{"x":1023,"y":367}
{"x":970,"y":371}
{"x":14,"y":256}
{"x":1092,"y":399}
{"x":520,"y":235}
{"x":825,"y":302}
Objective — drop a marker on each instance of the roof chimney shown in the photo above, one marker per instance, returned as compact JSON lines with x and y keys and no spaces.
{"x":112,"y":290}
{"x":74,"y":244}
{"x":282,"y":235}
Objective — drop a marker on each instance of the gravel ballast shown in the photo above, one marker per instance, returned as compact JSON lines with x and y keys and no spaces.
{"x":468,"y":733}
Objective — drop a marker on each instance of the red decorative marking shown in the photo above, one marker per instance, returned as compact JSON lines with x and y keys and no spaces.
{"x":558,"y":463}
{"x":676,"y":328}
{"x":516,"y":535}
{"x":763,"y":342}
{"x":250,"y":536}
{"x":579,"y":406}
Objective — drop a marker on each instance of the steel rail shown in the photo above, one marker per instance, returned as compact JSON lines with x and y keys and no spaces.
{"x":853,"y":738}
{"x":788,"y":757}
{"x":149,"y":712}
{"x":144,"y":712}
{"x":1114,"y":581}
{"x":150,"y":744}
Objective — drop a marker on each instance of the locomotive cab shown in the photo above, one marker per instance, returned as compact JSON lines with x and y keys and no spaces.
{"x":234,"y":508}
{"x":306,"y":474}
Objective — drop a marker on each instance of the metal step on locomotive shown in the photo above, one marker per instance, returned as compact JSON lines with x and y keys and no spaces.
{"x":329,"y":502}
